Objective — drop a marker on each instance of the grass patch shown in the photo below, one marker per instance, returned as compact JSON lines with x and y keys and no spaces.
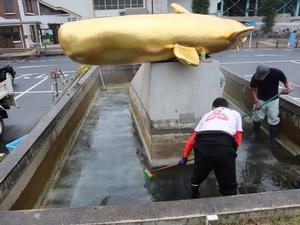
{"x":2,"y":157}
{"x":276,"y":220}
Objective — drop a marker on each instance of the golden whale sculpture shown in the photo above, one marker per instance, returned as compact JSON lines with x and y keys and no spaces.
{"x":150,"y":38}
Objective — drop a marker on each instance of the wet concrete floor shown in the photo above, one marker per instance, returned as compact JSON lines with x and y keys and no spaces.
{"x":105,"y":166}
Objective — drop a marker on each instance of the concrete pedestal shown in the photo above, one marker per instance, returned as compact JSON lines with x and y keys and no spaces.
{"x":167,"y":101}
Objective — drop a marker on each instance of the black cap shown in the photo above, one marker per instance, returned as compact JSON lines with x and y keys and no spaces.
{"x":261,"y":72}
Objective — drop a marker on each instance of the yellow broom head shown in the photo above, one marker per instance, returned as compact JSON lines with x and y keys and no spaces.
{"x":148,"y":174}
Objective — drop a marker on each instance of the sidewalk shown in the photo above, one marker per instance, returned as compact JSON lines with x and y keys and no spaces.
{"x":10,"y":53}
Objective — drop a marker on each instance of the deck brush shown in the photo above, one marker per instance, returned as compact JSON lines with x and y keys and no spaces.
{"x":148,"y":174}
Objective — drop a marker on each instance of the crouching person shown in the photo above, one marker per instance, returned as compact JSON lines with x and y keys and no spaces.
{"x":215,"y":141}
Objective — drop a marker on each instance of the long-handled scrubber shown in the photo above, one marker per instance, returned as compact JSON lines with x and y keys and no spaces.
{"x":149,"y":173}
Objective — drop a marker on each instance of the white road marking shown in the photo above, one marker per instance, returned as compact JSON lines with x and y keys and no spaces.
{"x":35,"y":92}
{"x":28,"y":74}
{"x":26,"y":78}
{"x":266,"y":55}
{"x":25,"y":75}
{"x":69,"y":71}
{"x":296,"y":85}
{"x":37,"y":66}
{"x":29,"y":89}
{"x":255,"y":62}
{"x":41,"y":76}
{"x":293,"y":61}
{"x":233,"y":56}
{"x":46,"y":60}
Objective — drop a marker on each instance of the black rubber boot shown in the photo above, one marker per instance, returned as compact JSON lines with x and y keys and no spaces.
{"x":256,"y":128}
{"x":295,"y":184}
{"x":273,"y":133}
{"x":195,"y":190}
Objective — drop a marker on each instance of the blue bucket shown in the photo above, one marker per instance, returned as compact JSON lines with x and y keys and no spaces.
{"x":12,"y":145}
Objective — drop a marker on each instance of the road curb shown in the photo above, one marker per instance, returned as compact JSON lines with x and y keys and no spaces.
{"x":22,"y":55}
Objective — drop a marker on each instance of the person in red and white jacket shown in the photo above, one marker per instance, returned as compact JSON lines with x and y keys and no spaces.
{"x":215,"y":141}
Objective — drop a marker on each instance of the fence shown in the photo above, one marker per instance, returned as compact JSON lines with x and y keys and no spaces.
{"x":277,"y":39}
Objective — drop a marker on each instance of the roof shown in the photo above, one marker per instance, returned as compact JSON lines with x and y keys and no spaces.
{"x":59,"y":8}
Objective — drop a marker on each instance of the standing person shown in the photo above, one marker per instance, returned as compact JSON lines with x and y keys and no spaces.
{"x":215,"y":141}
{"x":264,"y":86}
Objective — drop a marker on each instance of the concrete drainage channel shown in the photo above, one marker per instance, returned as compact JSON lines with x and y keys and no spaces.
{"x":26,"y":174}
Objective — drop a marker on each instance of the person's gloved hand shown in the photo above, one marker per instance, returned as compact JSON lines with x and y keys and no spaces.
{"x":257,"y":105}
{"x":286,"y":91}
{"x":182,"y":161}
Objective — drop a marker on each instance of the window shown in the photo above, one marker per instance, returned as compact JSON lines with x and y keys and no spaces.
{"x":8,"y":6}
{"x":121,"y":4}
{"x":114,"y":4}
{"x":117,"y":4}
{"x":28,"y":6}
{"x":10,"y":33}
{"x":108,"y":4}
{"x":127,"y":3}
{"x":134,"y":3}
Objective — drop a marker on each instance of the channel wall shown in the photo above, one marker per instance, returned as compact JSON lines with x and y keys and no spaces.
{"x":237,"y":90}
{"x":27,"y":173}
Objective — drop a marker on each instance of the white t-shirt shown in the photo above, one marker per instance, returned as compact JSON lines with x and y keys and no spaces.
{"x":221,"y":119}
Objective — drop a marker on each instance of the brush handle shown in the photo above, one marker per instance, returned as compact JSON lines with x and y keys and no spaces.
{"x":266,"y":102}
{"x":169,"y":166}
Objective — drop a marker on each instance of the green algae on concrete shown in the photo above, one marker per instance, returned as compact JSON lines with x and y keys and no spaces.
{"x":275,"y":220}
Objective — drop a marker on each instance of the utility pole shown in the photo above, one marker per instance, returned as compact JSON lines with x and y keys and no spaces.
{"x":37,"y":38}
{"x":247,"y":8}
{"x":222,"y":8}
{"x":256,"y":7}
{"x":297,"y":8}
{"x":152,"y":6}
{"x":21,"y":11}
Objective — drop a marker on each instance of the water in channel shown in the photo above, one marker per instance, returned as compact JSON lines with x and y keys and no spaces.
{"x":105,"y":166}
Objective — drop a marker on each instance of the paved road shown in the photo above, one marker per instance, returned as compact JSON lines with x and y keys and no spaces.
{"x":244,"y":63}
{"x":33,"y":93}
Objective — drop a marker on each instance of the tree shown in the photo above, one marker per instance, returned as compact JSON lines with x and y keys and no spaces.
{"x":200,"y":6}
{"x":269,"y":14}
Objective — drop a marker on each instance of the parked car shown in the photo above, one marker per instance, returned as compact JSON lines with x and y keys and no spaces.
{"x":7,"y":99}
{"x":7,"y":71}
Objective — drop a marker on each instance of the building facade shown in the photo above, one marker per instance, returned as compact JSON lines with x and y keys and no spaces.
{"x":24,"y":23}
{"x":102,"y":8}
{"x":253,"y":7}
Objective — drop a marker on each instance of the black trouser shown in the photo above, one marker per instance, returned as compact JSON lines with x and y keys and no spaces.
{"x":216,"y":151}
